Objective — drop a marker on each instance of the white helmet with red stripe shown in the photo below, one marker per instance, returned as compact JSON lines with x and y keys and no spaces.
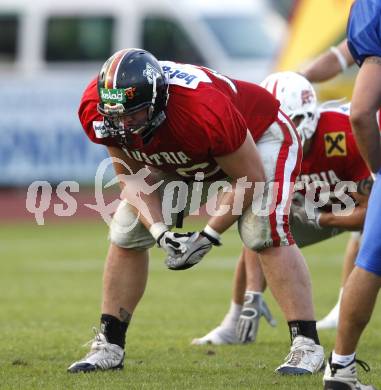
{"x":297,"y":98}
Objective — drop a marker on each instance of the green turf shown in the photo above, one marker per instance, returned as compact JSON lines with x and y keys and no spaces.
{"x":50,"y":292}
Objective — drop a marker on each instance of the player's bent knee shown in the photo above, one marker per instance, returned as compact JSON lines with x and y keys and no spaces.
{"x":126,"y":231}
{"x":255,"y":231}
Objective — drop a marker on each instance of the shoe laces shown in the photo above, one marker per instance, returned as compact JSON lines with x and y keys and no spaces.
{"x":296,"y":354}
{"x":363,"y":365}
{"x":96,"y":343}
{"x":294,"y":357}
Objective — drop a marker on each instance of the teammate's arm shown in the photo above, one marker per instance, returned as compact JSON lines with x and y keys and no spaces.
{"x":151,"y":201}
{"x":329,"y":64}
{"x":355,"y":220}
{"x":245,"y":162}
{"x":366,"y":101}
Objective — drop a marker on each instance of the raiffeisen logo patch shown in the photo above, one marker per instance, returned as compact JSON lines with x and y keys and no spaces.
{"x":114,"y":95}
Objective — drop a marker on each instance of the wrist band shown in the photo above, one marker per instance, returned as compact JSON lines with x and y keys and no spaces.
{"x":213,"y":240}
{"x":212,"y":233}
{"x":340,"y":57}
{"x":209,"y":230}
{"x":157,"y":229}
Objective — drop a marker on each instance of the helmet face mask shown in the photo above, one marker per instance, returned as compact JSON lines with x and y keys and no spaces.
{"x":306,"y":126}
{"x":131,"y":81}
{"x":132,"y":134}
{"x":128,"y":136}
{"x":297,"y":99}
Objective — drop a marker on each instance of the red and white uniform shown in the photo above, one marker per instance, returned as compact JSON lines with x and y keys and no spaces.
{"x":333,"y":156}
{"x":208,"y":116}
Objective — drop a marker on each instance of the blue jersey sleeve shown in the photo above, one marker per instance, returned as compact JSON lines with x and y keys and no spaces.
{"x":364,"y":30}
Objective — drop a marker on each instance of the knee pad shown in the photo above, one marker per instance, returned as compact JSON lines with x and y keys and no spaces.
{"x":126,"y":231}
{"x":255,"y":231}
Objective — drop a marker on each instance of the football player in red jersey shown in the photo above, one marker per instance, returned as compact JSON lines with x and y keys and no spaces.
{"x":331,"y":157}
{"x":182,"y":122}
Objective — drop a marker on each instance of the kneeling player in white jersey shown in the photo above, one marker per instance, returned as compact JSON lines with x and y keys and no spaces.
{"x":330,"y":156}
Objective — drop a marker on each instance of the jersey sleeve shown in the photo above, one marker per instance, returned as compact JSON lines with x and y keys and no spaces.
{"x":91,"y":120}
{"x":364,"y":30}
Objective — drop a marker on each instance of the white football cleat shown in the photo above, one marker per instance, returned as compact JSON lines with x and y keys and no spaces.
{"x":331,"y":320}
{"x":218,"y":336}
{"x":337,"y":377}
{"x":102,"y":356}
{"x":305,"y":357}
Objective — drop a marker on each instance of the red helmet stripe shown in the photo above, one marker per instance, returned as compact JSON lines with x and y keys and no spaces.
{"x":111,"y":71}
{"x":275,"y":88}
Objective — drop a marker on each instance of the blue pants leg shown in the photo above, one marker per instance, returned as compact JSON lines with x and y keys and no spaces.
{"x":369,"y":256}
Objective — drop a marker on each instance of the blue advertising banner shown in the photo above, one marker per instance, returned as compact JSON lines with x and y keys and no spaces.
{"x":41,"y":137}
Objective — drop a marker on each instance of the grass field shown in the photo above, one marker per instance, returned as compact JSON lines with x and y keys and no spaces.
{"x":50,"y":291}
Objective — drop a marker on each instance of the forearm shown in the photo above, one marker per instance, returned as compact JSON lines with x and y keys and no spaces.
{"x":245,"y":167}
{"x":228,"y":209}
{"x":148,"y":209}
{"x":353,"y":221}
{"x":329,"y":64}
{"x":323,"y":68}
{"x":366,"y":101}
{"x":139,"y":186}
{"x":368,"y":140}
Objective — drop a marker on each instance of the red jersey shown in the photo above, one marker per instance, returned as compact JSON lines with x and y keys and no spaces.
{"x":207,"y":116}
{"x":333,"y":155}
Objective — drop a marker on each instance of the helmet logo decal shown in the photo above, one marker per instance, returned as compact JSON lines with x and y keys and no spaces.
{"x":130,"y":92}
{"x":112,"y":95}
{"x":150,"y":73}
{"x":307,"y":96}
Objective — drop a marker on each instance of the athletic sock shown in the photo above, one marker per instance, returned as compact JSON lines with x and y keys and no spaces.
{"x":336,"y":308}
{"x":114,"y":330}
{"x":232,"y":315}
{"x":342,"y":360}
{"x":305,"y":329}
{"x":340,"y":296}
